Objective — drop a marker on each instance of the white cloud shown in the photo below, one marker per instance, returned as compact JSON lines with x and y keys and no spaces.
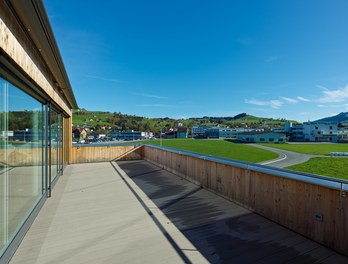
{"x":289,"y":100}
{"x":276,"y":104}
{"x":331,"y":105}
{"x":333,"y":96}
{"x":103,"y":79}
{"x":302,"y":99}
{"x":152,"y":96}
{"x":305,"y":113}
{"x":161,"y":105}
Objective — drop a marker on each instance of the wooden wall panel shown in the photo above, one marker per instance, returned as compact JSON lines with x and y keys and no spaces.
{"x":21,"y":156}
{"x":104,"y":153}
{"x":295,"y":204}
{"x":14,"y":43}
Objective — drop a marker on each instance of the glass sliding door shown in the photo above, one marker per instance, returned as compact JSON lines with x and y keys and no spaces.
{"x":60,"y":144}
{"x":22,"y":158}
{"x":4,"y":233}
{"x":55,"y":144}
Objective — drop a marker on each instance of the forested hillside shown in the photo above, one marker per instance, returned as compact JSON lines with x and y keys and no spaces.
{"x":118,"y":121}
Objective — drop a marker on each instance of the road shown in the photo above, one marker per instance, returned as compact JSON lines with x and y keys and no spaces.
{"x":286,"y":158}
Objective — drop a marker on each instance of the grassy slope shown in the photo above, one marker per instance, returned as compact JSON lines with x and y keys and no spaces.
{"x":81,"y":119}
{"x":219,"y":148}
{"x":315,"y":149}
{"x":333,"y":167}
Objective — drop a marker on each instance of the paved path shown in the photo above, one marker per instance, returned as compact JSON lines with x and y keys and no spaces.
{"x":286,"y":158}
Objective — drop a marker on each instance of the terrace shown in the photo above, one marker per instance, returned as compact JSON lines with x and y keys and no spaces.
{"x":146,"y":204}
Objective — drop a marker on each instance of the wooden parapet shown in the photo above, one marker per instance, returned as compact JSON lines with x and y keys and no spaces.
{"x":315,"y":211}
{"x":83,"y":154}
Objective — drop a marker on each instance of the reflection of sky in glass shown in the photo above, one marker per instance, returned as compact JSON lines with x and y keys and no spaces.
{"x":19,"y":101}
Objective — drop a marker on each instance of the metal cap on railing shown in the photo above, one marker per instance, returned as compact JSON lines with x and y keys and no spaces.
{"x":321,"y":180}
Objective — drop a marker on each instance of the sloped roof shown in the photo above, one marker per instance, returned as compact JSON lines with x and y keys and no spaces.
{"x":34,"y":17}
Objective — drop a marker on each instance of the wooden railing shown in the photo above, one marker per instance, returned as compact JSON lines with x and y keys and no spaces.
{"x":83,"y":154}
{"x":313,"y":206}
{"x":301,"y":203}
{"x":22,"y":156}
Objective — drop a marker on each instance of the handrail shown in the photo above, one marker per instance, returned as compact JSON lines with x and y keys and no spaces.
{"x":107,"y":144}
{"x":321,"y":180}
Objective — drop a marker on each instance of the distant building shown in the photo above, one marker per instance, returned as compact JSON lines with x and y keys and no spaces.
{"x":146,"y":135}
{"x":199,"y":131}
{"x":285,"y":129}
{"x":320,"y":131}
{"x":126,"y":135}
{"x":225,"y":132}
{"x":296,"y":133}
{"x":178,"y":124}
{"x":261,"y":137}
{"x":219,"y":132}
{"x":177,"y":132}
{"x":181,"y":132}
{"x":342,"y":132}
{"x":79,"y":133}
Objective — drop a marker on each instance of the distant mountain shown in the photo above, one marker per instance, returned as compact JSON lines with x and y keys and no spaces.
{"x":341,"y":117}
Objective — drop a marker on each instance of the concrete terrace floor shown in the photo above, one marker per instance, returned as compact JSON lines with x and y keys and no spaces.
{"x":136,"y":212}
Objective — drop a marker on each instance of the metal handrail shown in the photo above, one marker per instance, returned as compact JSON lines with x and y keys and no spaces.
{"x":326,"y":181}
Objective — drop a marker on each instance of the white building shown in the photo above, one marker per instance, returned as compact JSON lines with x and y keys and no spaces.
{"x":342,"y":132}
{"x":320,"y":131}
{"x":296,"y":133}
{"x":219,"y":132}
{"x":261,"y":137}
{"x":199,"y":130}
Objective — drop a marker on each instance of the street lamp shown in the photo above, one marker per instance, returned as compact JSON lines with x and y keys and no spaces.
{"x":26,"y":130}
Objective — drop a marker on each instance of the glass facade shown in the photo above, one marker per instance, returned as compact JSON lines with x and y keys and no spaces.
{"x":55,"y":135}
{"x":30,"y":156}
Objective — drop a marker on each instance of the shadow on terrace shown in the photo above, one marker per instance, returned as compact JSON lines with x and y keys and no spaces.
{"x":221,"y":230}
{"x":204,"y":209}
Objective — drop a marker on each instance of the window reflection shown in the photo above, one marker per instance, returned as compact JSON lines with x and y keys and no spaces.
{"x":21,"y":158}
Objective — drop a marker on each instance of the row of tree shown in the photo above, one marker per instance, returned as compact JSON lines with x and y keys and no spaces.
{"x":123,"y":122}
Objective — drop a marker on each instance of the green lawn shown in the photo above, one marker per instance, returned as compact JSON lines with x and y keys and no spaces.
{"x":13,"y":143}
{"x":333,"y":167}
{"x":315,"y":149}
{"x":218,"y":148}
{"x":79,"y":119}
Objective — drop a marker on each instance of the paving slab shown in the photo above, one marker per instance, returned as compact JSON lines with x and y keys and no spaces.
{"x":221,"y":230}
{"x":95,"y":217}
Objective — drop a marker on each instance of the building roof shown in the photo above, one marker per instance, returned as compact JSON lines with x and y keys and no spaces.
{"x":260,"y":133}
{"x":181,"y":129}
{"x":35,"y":19}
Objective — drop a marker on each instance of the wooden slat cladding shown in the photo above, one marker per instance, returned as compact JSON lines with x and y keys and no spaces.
{"x":102,"y":153}
{"x":26,"y":57}
{"x":317,"y":212}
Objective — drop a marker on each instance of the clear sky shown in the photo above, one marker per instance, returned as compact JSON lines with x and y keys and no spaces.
{"x":182,"y":58}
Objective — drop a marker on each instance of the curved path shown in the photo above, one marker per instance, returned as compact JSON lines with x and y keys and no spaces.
{"x":286,"y":158}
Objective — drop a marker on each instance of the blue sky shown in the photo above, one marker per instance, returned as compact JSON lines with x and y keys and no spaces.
{"x":182,"y":58}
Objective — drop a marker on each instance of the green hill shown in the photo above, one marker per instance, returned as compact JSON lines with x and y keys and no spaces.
{"x":117,"y":121}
